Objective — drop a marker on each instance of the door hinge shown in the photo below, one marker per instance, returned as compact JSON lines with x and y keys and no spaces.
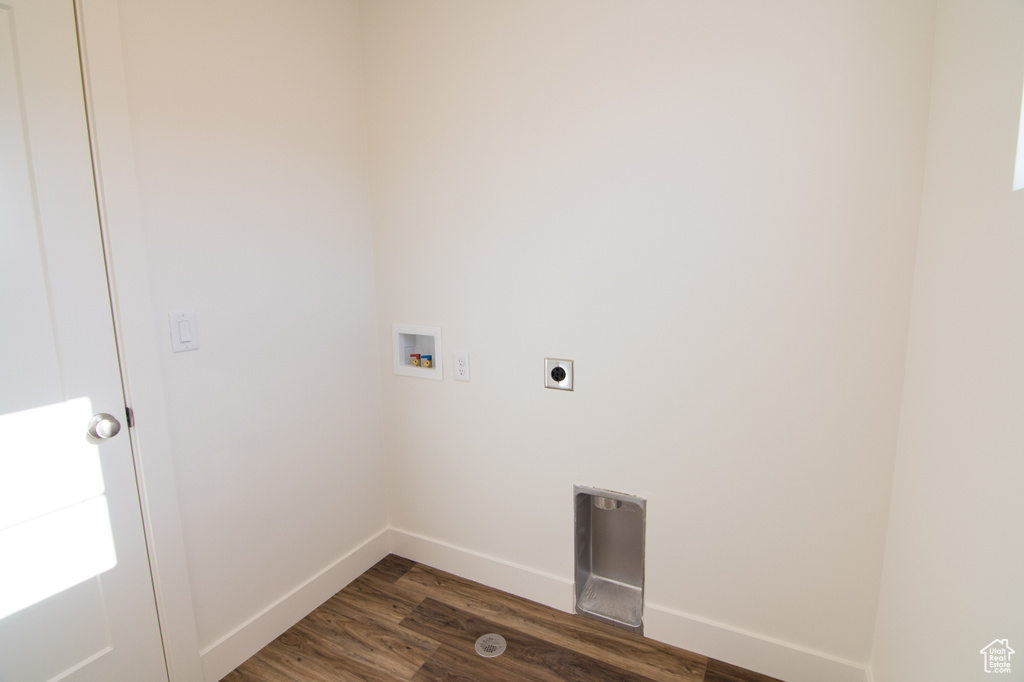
{"x":129,"y":414}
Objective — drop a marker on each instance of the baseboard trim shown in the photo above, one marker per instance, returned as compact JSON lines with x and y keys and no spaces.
{"x":243,"y":642}
{"x":745,"y":649}
{"x":715,"y":640}
{"x":513,"y":578}
{"x":749,"y":650}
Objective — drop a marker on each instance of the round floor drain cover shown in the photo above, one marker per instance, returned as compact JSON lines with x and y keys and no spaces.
{"x":490,"y":646}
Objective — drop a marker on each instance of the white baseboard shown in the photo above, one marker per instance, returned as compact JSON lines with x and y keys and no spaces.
{"x":715,"y":640}
{"x":745,"y":649}
{"x":231,"y":650}
{"x":750,"y":650}
{"x":516,"y":579}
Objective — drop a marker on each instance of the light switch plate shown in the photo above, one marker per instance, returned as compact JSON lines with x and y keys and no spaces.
{"x":184,"y":333}
{"x":558,"y":374}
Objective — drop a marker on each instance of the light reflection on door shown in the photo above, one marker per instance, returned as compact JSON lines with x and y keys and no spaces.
{"x":54,"y":524}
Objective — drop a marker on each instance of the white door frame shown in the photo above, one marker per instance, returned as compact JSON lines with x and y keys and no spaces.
{"x":137,"y":329}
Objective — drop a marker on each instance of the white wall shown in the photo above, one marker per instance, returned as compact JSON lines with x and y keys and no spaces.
{"x":247,"y":133}
{"x":711,"y":208}
{"x":730,"y":192}
{"x":953,"y":564}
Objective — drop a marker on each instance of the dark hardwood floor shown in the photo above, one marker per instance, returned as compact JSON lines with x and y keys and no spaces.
{"x":403,"y":621}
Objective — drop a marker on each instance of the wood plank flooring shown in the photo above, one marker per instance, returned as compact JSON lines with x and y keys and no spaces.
{"x":405,"y":622}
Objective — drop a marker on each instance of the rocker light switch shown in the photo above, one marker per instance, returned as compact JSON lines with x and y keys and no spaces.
{"x":184,"y":334}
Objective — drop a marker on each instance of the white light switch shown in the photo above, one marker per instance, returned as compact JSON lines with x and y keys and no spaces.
{"x":184,"y":334}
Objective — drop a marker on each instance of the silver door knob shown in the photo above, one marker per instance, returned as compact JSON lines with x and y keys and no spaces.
{"x":103,"y":426}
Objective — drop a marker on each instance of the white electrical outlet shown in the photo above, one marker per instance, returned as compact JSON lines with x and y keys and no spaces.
{"x":461,"y":362}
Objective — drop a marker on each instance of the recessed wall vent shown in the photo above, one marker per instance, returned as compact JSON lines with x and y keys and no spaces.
{"x":610,"y":530}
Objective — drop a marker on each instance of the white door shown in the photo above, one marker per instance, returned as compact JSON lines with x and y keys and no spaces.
{"x":76,"y":596}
